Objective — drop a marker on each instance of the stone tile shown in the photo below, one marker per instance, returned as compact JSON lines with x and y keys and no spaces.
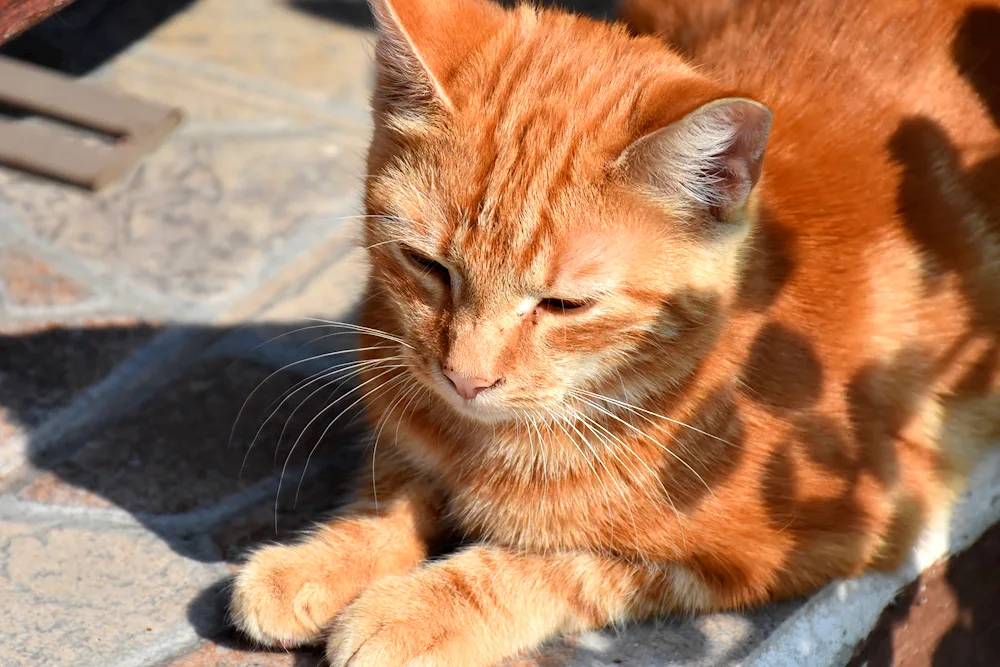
{"x":201,"y":216}
{"x":207,"y":99}
{"x":27,"y":281}
{"x":43,"y":368}
{"x":276,"y":42}
{"x":333,"y":291}
{"x":706,"y":640}
{"x":213,"y":655}
{"x":552,"y":656}
{"x":73,"y":596}
{"x":172,"y":455}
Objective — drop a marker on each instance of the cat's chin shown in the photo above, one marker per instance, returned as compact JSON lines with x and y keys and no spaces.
{"x":477,"y":410}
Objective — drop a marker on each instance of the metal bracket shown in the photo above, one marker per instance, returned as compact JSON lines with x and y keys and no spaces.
{"x":137,"y":126}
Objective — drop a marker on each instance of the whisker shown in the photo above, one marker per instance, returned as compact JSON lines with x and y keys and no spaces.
{"x":313,"y":378}
{"x":383,"y":420}
{"x":305,"y":429}
{"x":309,"y":378}
{"x":294,"y":331}
{"x":621,"y":489}
{"x":253,"y":393}
{"x":363,"y":329}
{"x":381,"y":387}
{"x":651,"y":439}
{"x":637,"y":409}
{"x":597,"y":476}
{"x":356,"y":369}
{"x":587,"y":421}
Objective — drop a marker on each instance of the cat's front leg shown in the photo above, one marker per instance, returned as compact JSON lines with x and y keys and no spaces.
{"x":480,"y":606}
{"x":286,"y":594}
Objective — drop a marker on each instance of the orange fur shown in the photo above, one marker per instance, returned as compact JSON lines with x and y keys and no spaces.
{"x":766,"y":378}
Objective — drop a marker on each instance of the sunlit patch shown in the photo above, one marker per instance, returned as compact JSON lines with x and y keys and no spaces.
{"x":690,"y":590}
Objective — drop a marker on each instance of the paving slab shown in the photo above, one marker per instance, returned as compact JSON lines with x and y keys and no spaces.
{"x":92,"y":595}
{"x":216,"y":100}
{"x":268,"y":522}
{"x":331,"y":293}
{"x":111,"y":553}
{"x":199,"y":218}
{"x":274,"y":42}
{"x":213,"y":655}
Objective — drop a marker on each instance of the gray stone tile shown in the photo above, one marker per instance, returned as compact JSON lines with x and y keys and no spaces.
{"x":704,"y":640}
{"x":212,"y":99}
{"x":79,"y":596}
{"x":332,"y":293}
{"x":330,"y":60}
{"x":202,"y":217}
{"x":213,"y":655}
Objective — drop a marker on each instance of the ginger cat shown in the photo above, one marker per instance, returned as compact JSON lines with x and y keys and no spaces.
{"x":639,"y":367}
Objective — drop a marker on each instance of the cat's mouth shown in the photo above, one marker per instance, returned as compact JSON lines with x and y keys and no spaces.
{"x":487,"y":407}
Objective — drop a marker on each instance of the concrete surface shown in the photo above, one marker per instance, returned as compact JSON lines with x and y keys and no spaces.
{"x":131,"y":331}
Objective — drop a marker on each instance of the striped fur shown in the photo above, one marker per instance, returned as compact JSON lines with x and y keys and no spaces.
{"x":768,"y":377}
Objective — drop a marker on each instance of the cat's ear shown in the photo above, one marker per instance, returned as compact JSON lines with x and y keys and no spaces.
{"x":421,"y":43}
{"x":709,"y":160}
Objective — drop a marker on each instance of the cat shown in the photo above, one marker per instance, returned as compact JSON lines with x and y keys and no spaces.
{"x":637,"y":366}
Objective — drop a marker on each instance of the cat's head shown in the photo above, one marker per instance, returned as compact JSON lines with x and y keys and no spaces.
{"x":555,"y":207}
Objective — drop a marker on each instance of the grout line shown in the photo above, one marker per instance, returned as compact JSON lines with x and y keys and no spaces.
{"x":111,"y":286}
{"x":315,"y":252}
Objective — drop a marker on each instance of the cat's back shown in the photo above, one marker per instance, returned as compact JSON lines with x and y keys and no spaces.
{"x":884,"y":159}
{"x":859,"y":66}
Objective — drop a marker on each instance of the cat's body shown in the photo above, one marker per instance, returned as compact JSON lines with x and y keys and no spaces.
{"x":644,"y":373}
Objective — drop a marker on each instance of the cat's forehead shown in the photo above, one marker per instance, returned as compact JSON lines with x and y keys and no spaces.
{"x":477,"y":193}
{"x":509,"y":239}
{"x":518,"y":173}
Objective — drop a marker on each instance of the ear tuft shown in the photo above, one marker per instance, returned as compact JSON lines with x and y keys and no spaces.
{"x":710,"y":159}
{"x":421,"y":44}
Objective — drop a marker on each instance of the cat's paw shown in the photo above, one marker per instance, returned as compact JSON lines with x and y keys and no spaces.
{"x":285,"y":595}
{"x":400,"y":621}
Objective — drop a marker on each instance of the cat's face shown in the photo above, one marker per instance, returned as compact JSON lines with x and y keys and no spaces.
{"x":523,"y":244}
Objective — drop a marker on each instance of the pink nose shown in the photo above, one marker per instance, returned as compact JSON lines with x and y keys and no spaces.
{"x":467,"y":387}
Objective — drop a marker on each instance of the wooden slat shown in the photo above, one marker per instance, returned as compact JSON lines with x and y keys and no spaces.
{"x":40,"y":151}
{"x":47,"y":93}
{"x":137,"y":125}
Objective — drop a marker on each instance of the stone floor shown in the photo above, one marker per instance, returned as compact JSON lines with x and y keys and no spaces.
{"x":137,"y":364}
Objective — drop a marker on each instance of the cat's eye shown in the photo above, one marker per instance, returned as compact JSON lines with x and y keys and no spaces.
{"x":426,"y":265}
{"x":566,"y":306}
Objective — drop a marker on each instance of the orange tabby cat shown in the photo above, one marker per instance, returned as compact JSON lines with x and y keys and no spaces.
{"x":639,"y":367}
